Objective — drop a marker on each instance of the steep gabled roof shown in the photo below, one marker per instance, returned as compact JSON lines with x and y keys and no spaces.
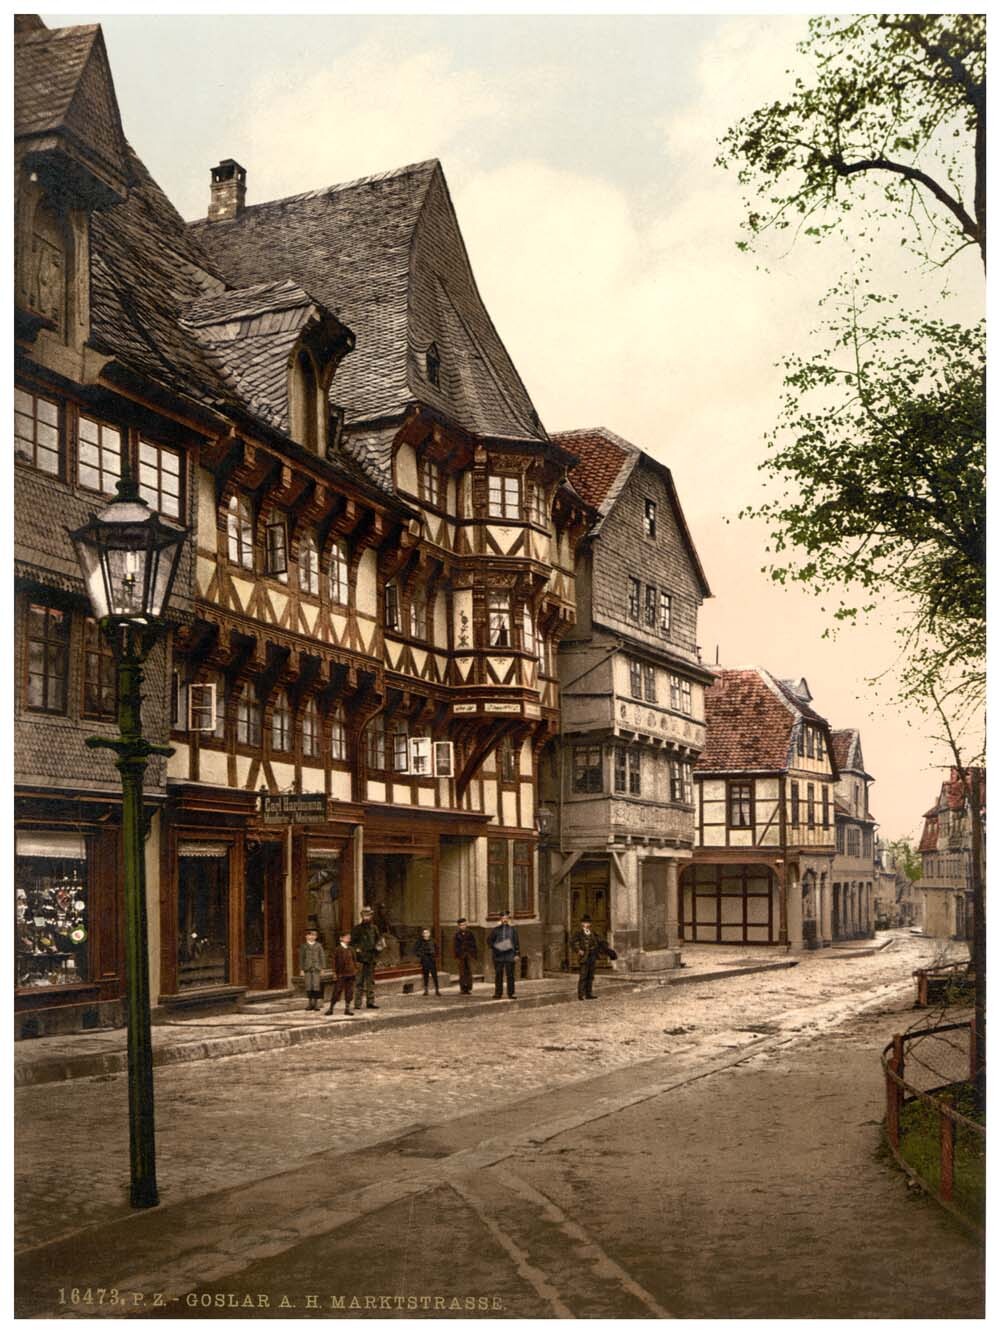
{"x":386,"y":254}
{"x":64,"y":101}
{"x":606,"y":461}
{"x":750,"y":723}
{"x":847,"y":751}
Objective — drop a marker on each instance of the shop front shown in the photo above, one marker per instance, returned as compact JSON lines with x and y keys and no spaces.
{"x":67,"y":927}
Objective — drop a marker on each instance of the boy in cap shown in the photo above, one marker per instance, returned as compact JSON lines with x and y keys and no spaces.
{"x":465,"y":950}
{"x":364,"y":942}
{"x":345,"y":969}
{"x":589,"y":946}
{"x":427,"y":953}
{"x":312,"y":960}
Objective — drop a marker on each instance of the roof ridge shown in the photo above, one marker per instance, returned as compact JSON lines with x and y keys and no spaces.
{"x":324,"y":190}
{"x":51,"y":34}
{"x":608,"y":434}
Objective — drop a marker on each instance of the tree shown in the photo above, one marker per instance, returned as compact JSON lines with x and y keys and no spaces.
{"x":895,"y":120}
{"x":906,"y":859}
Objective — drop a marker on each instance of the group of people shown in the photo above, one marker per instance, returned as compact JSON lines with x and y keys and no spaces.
{"x":354,"y":958}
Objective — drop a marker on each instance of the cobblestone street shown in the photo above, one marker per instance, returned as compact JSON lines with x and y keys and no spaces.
{"x":227,"y":1122}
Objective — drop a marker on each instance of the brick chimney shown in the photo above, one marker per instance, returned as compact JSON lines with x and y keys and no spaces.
{"x":229,"y":191}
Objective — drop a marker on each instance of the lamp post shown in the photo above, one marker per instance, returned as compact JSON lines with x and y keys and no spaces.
{"x":128,"y":557}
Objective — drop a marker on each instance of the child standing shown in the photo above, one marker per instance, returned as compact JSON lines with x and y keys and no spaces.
{"x":345,"y":969}
{"x":427,"y":954}
{"x":312,"y":960}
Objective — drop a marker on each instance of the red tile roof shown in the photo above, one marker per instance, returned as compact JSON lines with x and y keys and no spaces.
{"x":602,"y":457}
{"x":749,"y":720}
{"x":842,"y":746}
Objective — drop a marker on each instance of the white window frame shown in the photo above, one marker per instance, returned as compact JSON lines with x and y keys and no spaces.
{"x":444,"y":759}
{"x":504,"y":495}
{"x":201,"y":706}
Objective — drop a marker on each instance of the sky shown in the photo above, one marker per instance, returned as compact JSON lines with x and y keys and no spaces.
{"x":579,"y":151}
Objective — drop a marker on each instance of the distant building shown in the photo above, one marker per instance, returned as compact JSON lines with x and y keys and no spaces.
{"x":854,"y":861}
{"x":898,"y":900}
{"x":946,"y":854}
{"x":764,"y":786}
{"x":632,"y":691}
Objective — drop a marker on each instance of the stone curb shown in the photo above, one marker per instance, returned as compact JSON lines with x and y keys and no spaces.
{"x":105,"y":1064}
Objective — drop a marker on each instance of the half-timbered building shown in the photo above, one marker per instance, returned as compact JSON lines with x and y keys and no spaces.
{"x":854,"y":864}
{"x":945,"y":847}
{"x":764,"y":787}
{"x":620,"y":790}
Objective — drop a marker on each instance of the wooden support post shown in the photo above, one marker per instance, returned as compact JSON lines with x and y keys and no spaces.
{"x":947,"y":1182}
{"x":894,"y":1091}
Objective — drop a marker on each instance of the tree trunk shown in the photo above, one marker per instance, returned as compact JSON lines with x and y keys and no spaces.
{"x":979,"y":930}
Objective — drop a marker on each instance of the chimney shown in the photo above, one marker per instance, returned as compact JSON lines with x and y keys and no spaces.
{"x":229,"y":191}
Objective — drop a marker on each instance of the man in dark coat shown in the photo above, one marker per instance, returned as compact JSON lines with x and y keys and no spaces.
{"x":312,"y":960}
{"x":465,"y":950}
{"x":588,"y":946}
{"x":506,"y":948}
{"x":345,"y":969}
{"x":365,"y":943}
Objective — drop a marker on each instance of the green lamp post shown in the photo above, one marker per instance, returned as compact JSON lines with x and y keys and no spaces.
{"x":129,"y":557}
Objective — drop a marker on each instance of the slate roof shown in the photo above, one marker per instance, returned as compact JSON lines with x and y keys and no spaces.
{"x":750,"y":722}
{"x":386,"y":255}
{"x":605,"y":463}
{"x":63,"y":94}
{"x":248,"y":336}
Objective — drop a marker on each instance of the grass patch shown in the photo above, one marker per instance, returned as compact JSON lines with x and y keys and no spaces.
{"x":920,"y":1146}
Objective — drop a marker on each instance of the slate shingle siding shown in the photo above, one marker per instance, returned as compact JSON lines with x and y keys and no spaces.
{"x":622,"y":549}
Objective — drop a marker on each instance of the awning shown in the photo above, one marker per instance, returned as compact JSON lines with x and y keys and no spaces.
{"x":204,"y":851}
{"x":42,"y":842}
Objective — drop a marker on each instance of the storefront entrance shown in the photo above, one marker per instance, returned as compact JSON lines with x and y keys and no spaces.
{"x":590,"y":895}
{"x":264,"y":916}
{"x":399,"y":887}
{"x":729,"y":904}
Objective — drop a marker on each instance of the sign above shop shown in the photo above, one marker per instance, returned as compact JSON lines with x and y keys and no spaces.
{"x":307,"y":808}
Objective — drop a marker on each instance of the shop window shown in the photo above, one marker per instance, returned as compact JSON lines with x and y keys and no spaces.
{"x":588,"y":777}
{"x":48,"y":658}
{"x":308,"y":565}
{"x":248,"y":721}
{"x":665,"y":612}
{"x":239,"y":532}
{"x":498,"y":607}
{"x":375,"y":743}
{"x":634,"y":599}
{"x":740,"y":805}
{"x":505,"y":497}
{"x":339,"y":569}
{"x":276,"y":549}
{"x":649,"y":518}
{"x":51,"y":912}
{"x":338,"y":736}
{"x":99,"y":455}
{"x":524,"y":896}
{"x":160,"y":478}
{"x":281,"y":723}
{"x":650,"y":612}
{"x":497,"y":877}
{"x":310,"y":730}
{"x":100,"y":694}
{"x":202,"y":915}
{"x":36,"y":431}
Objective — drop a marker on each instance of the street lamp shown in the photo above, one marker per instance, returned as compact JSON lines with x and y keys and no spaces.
{"x":128,"y":557}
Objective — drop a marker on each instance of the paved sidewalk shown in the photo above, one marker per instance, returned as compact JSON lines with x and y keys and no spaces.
{"x":274,"y":1026}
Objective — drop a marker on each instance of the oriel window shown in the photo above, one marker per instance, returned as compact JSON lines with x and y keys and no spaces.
{"x":498,"y":611}
{"x":505,"y":497}
{"x":588,"y":777}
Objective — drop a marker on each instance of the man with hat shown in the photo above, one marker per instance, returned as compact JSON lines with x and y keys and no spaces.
{"x":365,"y":943}
{"x":465,"y":949}
{"x":506,"y":949}
{"x":589,"y":946}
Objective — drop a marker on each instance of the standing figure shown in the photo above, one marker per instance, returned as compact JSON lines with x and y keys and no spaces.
{"x":506,"y":949}
{"x":312,"y":960}
{"x":365,"y":943}
{"x":345,"y":969}
{"x":465,"y":950}
{"x":589,"y":946}
{"x":427,"y":953}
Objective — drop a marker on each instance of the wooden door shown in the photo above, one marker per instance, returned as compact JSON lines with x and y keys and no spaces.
{"x":264,"y":917}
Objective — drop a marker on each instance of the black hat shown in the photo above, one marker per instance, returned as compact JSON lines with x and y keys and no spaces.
{"x":366,"y":911}
{"x":311,"y":930}
{"x":585,"y":918}
{"x":462,"y":920}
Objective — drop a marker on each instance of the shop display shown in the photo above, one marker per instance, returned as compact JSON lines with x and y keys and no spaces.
{"x":50,"y":925}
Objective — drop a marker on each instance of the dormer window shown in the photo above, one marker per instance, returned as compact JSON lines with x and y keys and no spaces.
{"x":433,"y":364}
{"x":305,"y":394}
